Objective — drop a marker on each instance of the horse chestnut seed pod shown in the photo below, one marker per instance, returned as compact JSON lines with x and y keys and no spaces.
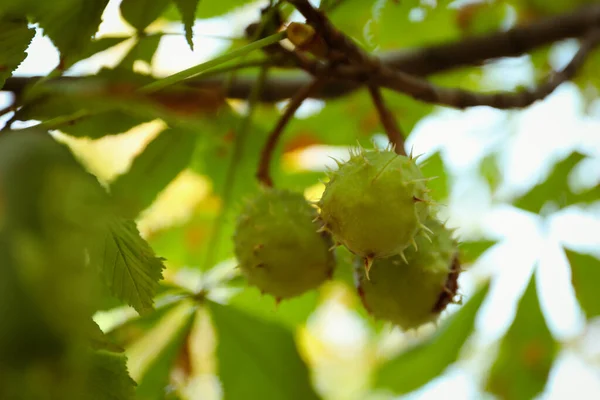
{"x":375,"y":204}
{"x":278,"y":247}
{"x":413,"y":290}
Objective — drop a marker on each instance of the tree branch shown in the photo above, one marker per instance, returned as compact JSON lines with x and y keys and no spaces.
{"x":264,"y":165}
{"x":423,"y":90}
{"x":392,"y":129}
{"x":419,"y":62}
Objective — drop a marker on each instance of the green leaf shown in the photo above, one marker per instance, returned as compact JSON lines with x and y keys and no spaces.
{"x":526,"y":352}
{"x":291,"y":312}
{"x":94,"y":47}
{"x":143,"y":50}
{"x":108,"y":378}
{"x":70,"y":24}
{"x":585,"y":271}
{"x":108,"y":123}
{"x":128,"y":264}
{"x":490,"y":171}
{"x":187,"y":8}
{"x":433,"y":167}
{"x":165,"y":343}
{"x":484,"y":17}
{"x":207,"y":8}
{"x":393,"y":26}
{"x":15,"y":37}
{"x":555,"y":188}
{"x":471,"y":251}
{"x":423,"y":362}
{"x":258,"y":359}
{"x":134,"y":328}
{"x":141,"y":13}
{"x":151,"y":171}
{"x":98,"y":340}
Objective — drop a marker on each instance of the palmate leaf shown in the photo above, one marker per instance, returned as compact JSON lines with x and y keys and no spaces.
{"x":205,"y":8}
{"x":585,"y":275}
{"x":188,"y":8}
{"x":108,"y":378}
{"x":420,"y":364}
{"x":70,"y":24}
{"x":128,"y":264}
{"x":526,"y":352}
{"x":151,"y":171}
{"x":141,"y":13}
{"x":15,"y":37}
{"x":92,"y":48}
{"x":154,"y":355}
{"x":258,"y":359}
{"x":555,"y":188}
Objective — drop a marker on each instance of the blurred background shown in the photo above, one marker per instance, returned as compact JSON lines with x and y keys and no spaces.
{"x":485,"y":158}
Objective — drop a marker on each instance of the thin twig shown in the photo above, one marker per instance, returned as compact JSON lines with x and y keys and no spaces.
{"x":425,"y":91}
{"x":392,"y":129}
{"x":264,"y":165}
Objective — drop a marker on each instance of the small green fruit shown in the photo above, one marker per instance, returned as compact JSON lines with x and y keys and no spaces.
{"x":375,"y":203}
{"x":278,"y":247}
{"x":413,"y":292}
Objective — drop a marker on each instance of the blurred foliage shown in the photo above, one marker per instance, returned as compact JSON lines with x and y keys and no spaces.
{"x":74,"y":252}
{"x":526,"y":352}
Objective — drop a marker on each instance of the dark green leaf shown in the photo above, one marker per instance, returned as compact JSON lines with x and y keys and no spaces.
{"x":155,"y":378}
{"x":141,"y":13}
{"x":70,"y":24}
{"x":555,"y":188}
{"x":104,"y":124}
{"x":15,"y":37}
{"x":433,"y":167}
{"x":151,"y":171}
{"x":143,"y":50}
{"x":99,"y":340}
{"x":92,"y":48}
{"x":585,"y":276}
{"x":209,"y":9}
{"x":258,"y":359}
{"x":470,"y":251}
{"x":128,"y":264}
{"x":526,"y":352}
{"x":418,"y":365}
{"x":187,"y":8}
{"x":108,"y":378}
{"x":292,"y":312}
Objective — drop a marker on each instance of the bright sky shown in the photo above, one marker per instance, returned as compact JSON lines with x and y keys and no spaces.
{"x":529,"y":140}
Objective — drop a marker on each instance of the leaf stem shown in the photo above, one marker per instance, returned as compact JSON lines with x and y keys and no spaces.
{"x":197,"y":69}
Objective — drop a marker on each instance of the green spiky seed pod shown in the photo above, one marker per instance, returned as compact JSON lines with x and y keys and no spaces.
{"x":278,"y":247}
{"x":375,"y":203}
{"x":412,"y":292}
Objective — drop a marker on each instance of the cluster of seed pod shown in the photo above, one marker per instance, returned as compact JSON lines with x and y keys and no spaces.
{"x":376,"y":204}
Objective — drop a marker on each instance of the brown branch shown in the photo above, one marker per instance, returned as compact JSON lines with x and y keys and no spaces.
{"x":419,"y":62}
{"x":334,"y":38}
{"x":264,"y":165}
{"x":392,"y":129}
{"x":423,"y":90}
